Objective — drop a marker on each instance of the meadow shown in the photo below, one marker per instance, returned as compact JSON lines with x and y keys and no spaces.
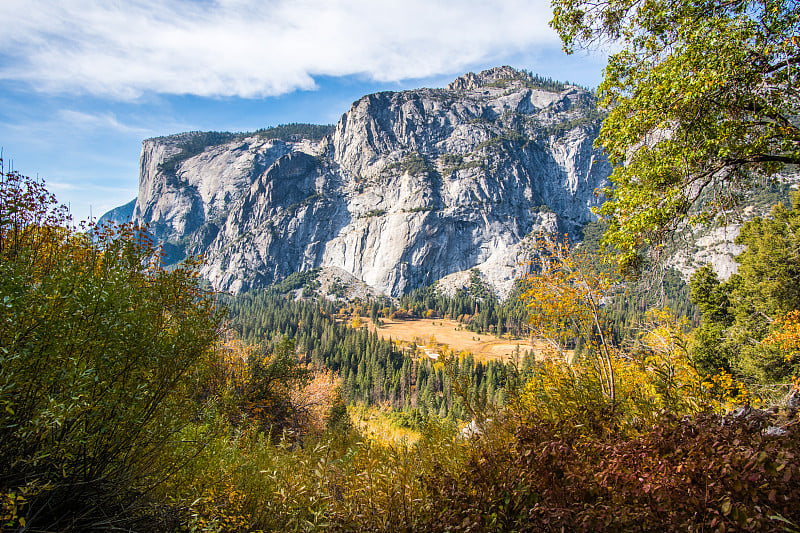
{"x":448,"y":332}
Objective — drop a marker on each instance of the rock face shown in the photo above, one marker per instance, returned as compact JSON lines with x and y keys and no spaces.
{"x":409,"y":187}
{"x":715,"y":245}
{"x":118,"y":215}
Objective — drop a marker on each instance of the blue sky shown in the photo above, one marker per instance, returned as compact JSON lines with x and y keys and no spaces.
{"x":83,"y":82}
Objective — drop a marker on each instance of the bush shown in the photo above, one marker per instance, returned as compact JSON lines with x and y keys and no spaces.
{"x":692,"y":474}
{"x":99,"y":348}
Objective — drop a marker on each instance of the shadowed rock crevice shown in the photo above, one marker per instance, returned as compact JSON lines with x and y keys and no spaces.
{"x":407,"y":188}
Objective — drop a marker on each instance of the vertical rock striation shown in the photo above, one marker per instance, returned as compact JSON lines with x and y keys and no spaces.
{"x":409,"y":187}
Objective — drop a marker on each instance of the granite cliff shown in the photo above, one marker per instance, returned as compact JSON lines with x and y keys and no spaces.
{"x":407,"y":188}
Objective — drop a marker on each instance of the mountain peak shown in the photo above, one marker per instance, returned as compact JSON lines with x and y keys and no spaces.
{"x":470,"y":80}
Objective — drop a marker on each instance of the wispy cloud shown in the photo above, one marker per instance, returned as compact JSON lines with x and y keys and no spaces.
{"x":102,"y":121}
{"x":78,"y":123}
{"x":61,"y":186}
{"x":254,"y":48}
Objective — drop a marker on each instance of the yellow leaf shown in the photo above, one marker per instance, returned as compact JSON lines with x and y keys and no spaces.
{"x":726,"y":507}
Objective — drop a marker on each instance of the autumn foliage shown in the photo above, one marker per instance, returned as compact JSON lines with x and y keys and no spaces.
{"x":268,"y":389}
{"x":705,"y":473}
{"x":98,"y":350}
{"x":124,"y":404}
{"x":564,"y":295}
{"x":786,"y":336}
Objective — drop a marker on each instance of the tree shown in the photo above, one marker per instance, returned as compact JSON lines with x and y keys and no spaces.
{"x":710,"y":347}
{"x":740,"y":314}
{"x":786,"y":337}
{"x":263,"y":387}
{"x":564,"y":296}
{"x":769,"y":269}
{"x":100,"y":350}
{"x":704,"y":105}
{"x":662,"y":350}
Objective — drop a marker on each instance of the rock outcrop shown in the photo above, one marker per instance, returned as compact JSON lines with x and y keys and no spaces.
{"x":407,"y":188}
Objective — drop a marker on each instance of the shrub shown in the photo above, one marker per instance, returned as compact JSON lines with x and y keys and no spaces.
{"x":692,"y":474}
{"x":98,"y":351}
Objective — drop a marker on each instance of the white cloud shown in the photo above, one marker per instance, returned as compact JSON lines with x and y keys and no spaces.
{"x":101,"y":121}
{"x":61,"y":186}
{"x":252,"y":48}
{"x":77,"y":123}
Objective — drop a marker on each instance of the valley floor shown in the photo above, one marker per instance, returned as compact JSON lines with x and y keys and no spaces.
{"x":428,"y":332}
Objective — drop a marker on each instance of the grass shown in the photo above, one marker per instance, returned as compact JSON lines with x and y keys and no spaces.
{"x":450,"y":333}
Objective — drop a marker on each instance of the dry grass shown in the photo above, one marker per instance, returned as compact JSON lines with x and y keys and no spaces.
{"x":449,"y":332}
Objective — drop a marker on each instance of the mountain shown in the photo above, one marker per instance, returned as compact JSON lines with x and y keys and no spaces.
{"x":118,"y":215}
{"x":407,"y":188}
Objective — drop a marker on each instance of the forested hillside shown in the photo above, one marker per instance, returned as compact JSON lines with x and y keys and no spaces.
{"x":372,"y":370}
{"x":146,"y":403}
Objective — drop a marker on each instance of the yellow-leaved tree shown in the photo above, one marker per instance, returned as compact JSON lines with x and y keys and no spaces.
{"x":564,"y":295}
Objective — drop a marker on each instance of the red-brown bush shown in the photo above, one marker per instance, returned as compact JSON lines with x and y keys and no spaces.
{"x":706,"y":473}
